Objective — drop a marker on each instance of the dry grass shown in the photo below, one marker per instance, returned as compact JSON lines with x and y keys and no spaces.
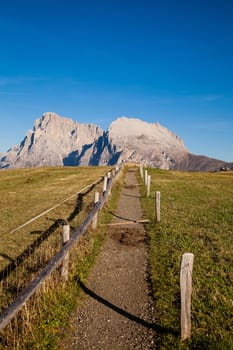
{"x":24,"y":194}
{"x":40,"y":323}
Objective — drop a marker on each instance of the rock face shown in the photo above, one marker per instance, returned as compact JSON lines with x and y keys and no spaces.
{"x":54,"y":141}
{"x":137,"y":141}
{"x":57,"y":141}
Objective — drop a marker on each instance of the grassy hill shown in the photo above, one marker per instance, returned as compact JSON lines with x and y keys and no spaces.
{"x":196,"y":216}
{"x":26,"y":193}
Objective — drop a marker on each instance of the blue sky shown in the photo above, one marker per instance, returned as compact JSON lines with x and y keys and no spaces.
{"x":169,"y":61}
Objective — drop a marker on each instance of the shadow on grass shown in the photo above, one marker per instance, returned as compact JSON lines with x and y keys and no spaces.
{"x":15,"y":263}
{"x":29,"y":250}
{"x":131,"y":317}
{"x":79,"y":202}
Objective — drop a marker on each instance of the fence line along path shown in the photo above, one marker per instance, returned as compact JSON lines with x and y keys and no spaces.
{"x":117,"y":312}
{"x":27,"y":293}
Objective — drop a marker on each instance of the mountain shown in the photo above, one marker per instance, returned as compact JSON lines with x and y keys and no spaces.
{"x":138,"y":141}
{"x":54,"y":141}
{"x":58,"y":141}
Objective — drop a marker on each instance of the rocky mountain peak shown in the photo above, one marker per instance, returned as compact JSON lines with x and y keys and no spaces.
{"x":51,"y":120}
{"x":124,"y":127}
{"x":127,"y":127}
{"x":45,"y":119}
{"x":59,"y":141}
{"x":150,"y":143}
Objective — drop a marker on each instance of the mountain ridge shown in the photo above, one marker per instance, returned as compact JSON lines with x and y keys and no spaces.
{"x":61,"y":141}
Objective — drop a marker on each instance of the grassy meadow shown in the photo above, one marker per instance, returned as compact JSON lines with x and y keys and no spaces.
{"x":41,"y":323}
{"x":26,"y":193}
{"x":196,"y":217}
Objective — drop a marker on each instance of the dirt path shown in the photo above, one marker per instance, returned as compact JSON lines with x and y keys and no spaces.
{"x":117,"y":312}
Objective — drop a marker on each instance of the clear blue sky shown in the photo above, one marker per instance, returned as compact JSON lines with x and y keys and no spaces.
{"x":169,"y":61}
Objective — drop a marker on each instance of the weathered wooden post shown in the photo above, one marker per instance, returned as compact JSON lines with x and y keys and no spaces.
{"x":157,"y":206}
{"x":105,"y":184}
{"x":117,"y":172}
{"x":148,"y":185}
{"x":109,"y":177}
{"x":65,"y":261}
{"x":95,"y":218}
{"x":185,"y":293}
{"x":146,"y":176}
{"x":141,"y":170}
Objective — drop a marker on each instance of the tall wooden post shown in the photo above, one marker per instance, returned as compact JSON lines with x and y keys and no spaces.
{"x":95,"y":218}
{"x":65,"y":262}
{"x":105,"y":184}
{"x":157,"y":206}
{"x":185,"y":293}
{"x":109,"y":177}
{"x":146,"y":176}
{"x":148,"y":185}
{"x":141,"y":170}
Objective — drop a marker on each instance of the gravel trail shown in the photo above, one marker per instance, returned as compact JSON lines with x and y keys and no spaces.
{"x":117,"y":312}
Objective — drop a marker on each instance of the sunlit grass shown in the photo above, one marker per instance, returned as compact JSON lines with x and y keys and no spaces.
{"x":25,"y":193}
{"x":196,"y":216}
{"x":40,"y":325}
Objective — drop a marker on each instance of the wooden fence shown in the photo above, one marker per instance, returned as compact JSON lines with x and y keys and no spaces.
{"x":185,"y":270}
{"x":56,"y":261}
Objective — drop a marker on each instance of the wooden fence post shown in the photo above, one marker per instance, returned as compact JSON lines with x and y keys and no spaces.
{"x":95,"y":218}
{"x":148,"y":185}
{"x":141,"y":170}
{"x":65,"y":262}
{"x":105,"y":184}
{"x":185,"y":293}
{"x":109,"y":177}
{"x":117,"y":173}
{"x":146,"y":176}
{"x":157,"y":206}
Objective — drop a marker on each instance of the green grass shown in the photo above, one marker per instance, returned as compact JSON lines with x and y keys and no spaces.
{"x":196,"y":216}
{"x":41,"y":323}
